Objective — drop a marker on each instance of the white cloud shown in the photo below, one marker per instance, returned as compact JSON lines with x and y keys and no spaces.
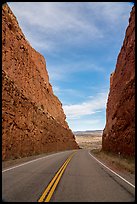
{"x":84,"y":124}
{"x":51,"y":21}
{"x":50,"y":26}
{"x":64,"y":70}
{"x":56,"y":89}
{"x":89,"y":107}
{"x":59,"y":29}
{"x":55,"y":17}
{"x":84,"y":116}
{"x":111,"y":13}
{"x":71,"y":92}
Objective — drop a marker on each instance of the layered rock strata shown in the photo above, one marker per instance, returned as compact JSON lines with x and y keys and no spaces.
{"x":119,"y":132}
{"x":33,"y":120}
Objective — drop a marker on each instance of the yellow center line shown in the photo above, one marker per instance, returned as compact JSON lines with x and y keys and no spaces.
{"x":52,"y":185}
{"x":56,"y":183}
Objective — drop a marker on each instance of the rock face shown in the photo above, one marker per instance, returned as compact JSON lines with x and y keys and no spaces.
{"x":33,"y":120}
{"x":119,"y":132}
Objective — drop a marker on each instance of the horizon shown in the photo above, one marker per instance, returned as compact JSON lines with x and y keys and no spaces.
{"x":87,"y":130}
{"x":80,"y":48}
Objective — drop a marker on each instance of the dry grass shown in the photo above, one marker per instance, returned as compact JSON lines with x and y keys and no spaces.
{"x":94,"y":144}
{"x":89,"y":142}
{"x":116,"y":161}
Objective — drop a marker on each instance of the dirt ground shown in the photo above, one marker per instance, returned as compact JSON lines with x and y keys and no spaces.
{"x":116,"y":162}
{"x":94,"y":144}
{"x":89,"y":142}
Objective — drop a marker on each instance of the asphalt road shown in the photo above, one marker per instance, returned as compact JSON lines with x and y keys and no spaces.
{"x":69,"y":176}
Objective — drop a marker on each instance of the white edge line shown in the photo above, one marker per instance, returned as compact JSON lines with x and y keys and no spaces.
{"x":29,"y":162}
{"x":112,"y":171}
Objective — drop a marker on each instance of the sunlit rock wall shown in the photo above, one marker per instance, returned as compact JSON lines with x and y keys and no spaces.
{"x":33,"y":120}
{"x":119,"y":132}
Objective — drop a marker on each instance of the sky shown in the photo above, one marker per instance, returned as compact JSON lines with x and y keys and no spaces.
{"x":80,"y":42}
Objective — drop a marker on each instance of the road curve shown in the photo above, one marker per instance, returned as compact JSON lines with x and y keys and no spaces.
{"x":70,"y":176}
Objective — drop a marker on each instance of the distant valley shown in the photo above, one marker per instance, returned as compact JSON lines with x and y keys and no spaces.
{"x":89,"y":139}
{"x":88,"y":132}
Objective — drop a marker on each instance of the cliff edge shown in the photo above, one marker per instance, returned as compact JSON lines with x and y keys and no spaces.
{"x":33,"y":120}
{"x":119,"y":132}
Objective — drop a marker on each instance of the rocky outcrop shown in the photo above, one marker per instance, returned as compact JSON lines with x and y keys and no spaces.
{"x":119,"y":132}
{"x":33,"y":120}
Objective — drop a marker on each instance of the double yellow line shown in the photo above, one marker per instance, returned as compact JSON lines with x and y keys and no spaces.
{"x":47,"y":194}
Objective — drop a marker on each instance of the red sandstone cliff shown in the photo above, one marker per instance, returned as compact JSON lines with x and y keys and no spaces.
{"x":33,"y":120}
{"x":119,"y":132}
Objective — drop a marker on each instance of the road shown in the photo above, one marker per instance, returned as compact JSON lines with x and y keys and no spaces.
{"x":69,"y":176}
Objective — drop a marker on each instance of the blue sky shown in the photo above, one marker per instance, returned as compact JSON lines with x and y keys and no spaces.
{"x":80,"y":42}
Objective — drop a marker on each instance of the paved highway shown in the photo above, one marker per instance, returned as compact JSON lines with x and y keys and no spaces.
{"x":69,"y":176}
